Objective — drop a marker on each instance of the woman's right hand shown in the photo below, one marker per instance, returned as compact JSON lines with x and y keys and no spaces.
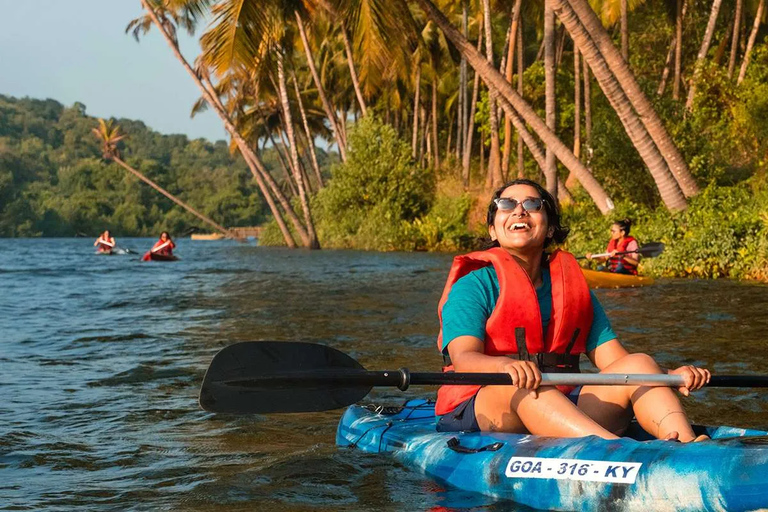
{"x":525,"y":374}
{"x":588,"y":256}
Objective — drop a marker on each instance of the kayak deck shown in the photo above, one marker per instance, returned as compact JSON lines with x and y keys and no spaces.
{"x":728,"y":473}
{"x":597,"y":279}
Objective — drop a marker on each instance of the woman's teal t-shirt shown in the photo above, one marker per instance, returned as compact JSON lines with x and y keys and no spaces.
{"x":473,"y":297}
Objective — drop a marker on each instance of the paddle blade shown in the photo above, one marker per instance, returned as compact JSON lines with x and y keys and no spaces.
{"x":272,"y":376}
{"x":651,"y":250}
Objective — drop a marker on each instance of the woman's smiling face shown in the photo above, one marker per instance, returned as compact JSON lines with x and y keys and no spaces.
{"x":519,"y":230}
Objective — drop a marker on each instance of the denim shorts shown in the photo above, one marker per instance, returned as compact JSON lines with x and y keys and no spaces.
{"x":463,"y":419}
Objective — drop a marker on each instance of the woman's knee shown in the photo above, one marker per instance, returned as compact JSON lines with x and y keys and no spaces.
{"x":635,"y":363}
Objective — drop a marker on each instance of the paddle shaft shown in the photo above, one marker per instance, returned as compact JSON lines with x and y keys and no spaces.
{"x":403,"y":378}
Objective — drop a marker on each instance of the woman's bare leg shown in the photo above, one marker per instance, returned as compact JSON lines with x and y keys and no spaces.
{"x":657,"y":409}
{"x":510,"y":409}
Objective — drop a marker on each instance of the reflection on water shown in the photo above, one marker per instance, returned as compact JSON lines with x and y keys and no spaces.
{"x":102,"y":357}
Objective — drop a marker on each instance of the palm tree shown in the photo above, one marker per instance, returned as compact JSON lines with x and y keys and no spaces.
{"x":508,"y":95}
{"x":668,"y":188}
{"x":648,"y":116}
{"x":751,"y":41}
{"x":494,"y":159}
{"x":513,"y":28}
{"x":159,"y":17}
{"x":550,"y":72}
{"x":708,"y":33}
{"x":109,"y":135}
{"x":735,"y":40}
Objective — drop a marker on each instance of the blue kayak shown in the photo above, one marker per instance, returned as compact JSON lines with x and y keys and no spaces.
{"x":730,"y":472}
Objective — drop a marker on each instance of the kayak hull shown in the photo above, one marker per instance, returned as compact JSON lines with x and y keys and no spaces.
{"x":728,"y":473}
{"x":597,"y":279}
{"x":149,"y":256}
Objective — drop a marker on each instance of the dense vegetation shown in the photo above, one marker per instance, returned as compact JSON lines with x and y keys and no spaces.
{"x":53,"y":181}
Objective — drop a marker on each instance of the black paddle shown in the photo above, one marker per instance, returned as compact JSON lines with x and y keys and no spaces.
{"x":273,"y":376}
{"x":649,"y":250}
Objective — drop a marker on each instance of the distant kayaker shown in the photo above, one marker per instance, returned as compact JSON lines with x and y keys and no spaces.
{"x":620,"y":242}
{"x":164,"y":246}
{"x":502,"y":311}
{"x":105,"y":242}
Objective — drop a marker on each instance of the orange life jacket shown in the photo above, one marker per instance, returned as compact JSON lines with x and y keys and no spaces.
{"x":103,"y":247}
{"x":613,"y":263}
{"x":515,"y":326}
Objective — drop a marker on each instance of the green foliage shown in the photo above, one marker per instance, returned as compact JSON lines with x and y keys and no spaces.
{"x":372,"y":197}
{"x":53,"y":181}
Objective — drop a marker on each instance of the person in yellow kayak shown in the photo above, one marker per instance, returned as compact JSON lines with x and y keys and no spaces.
{"x":621,"y":257}
{"x":518,"y":309}
{"x":105,"y":243}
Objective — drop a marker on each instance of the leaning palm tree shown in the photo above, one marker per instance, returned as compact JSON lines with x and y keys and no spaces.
{"x":648,"y":116}
{"x":109,"y":135}
{"x":167,"y":21}
{"x":751,"y":42}
{"x":670,"y":192}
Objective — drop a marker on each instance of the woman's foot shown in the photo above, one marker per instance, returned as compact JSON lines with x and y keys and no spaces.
{"x":672,"y":436}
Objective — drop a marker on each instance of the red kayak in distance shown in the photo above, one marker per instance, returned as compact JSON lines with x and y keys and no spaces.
{"x":150,"y":256}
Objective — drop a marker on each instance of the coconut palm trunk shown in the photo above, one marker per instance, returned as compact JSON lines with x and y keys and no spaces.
{"x":416,"y":105}
{"x":576,"y":103}
{"x":253,"y":162}
{"x":513,"y":28}
{"x":508,"y":94}
{"x":735,"y":39}
{"x":679,"y":16}
{"x":667,"y":67}
{"x":587,"y":111}
{"x":708,"y":33}
{"x":550,"y":100}
{"x":218,"y":227}
{"x":494,"y":159}
{"x":648,"y":116}
{"x":751,"y":41}
{"x":328,"y":108}
{"x":520,"y":69}
{"x":436,"y":148}
{"x":471,"y":120}
{"x":308,"y":133}
{"x":300,"y":184}
{"x":624,"y":30}
{"x":352,"y":70}
{"x":668,"y":188}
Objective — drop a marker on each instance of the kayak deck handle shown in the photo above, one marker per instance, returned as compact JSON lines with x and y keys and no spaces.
{"x":455,"y":445}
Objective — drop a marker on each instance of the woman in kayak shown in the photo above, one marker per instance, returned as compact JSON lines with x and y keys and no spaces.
{"x":621,"y":242}
{"x":105,"y":242}
{"x":517,"y":309}
{"x":164,"y":246}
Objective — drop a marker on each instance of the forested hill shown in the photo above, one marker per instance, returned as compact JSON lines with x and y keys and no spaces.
{"x":54,"y":182}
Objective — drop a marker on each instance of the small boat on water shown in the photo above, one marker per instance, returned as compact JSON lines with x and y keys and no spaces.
{"x":597,"y":279}
{"x":730,"y":472}
{"x":151,"y":256}
{"x":207,"y":236}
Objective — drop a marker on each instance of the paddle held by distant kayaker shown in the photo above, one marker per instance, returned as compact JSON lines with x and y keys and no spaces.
{"x":621,"y":256}
{"x":517,"y":309}
{"x":105,"y":242}
{"x":164,"y":246}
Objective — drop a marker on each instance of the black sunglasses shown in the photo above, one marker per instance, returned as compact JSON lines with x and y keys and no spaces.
{"x":530,"y":204}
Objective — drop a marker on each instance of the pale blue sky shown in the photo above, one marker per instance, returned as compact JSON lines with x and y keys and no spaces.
{"x":77,"y":50}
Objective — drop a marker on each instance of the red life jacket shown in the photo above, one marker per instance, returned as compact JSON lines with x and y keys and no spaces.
{"x":165,"y":251}
{"x":515,"y":326}
{"x":613,"y":263}
{"x":102,"y":247}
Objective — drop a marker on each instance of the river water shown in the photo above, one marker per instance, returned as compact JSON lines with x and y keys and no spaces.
{"x":101,"y":359}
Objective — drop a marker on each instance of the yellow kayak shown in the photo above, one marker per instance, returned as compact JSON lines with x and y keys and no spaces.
{"x":597,"y":279}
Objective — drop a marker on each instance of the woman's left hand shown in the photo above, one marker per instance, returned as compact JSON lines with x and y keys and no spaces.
{"x":695,"y":378}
